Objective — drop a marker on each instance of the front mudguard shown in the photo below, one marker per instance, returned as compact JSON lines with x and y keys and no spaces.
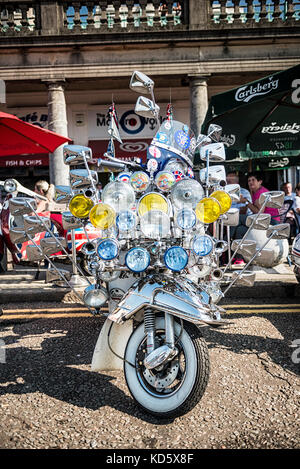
{"x":177,"y":296}
{"x":180,"y":297}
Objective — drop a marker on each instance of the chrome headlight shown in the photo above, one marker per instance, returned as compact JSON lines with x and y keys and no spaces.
{"x":119,"y":195}
{"x":176,"y":258}
{"x":137,"y":259}
{"x":107,"y":249}
{"x":126,"y":221}
{"x":202,"y":245}
{"x":186,"y":219}
{"x":95,"y":297}
{"x":155,"y":224}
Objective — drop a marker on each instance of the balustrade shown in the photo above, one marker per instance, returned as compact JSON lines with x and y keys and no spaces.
{"x":117,"y":16}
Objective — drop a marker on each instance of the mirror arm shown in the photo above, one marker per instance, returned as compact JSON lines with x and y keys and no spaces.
{"x":247,"y":265}
{"x":249,"y":229}
{"x":57,"y":240}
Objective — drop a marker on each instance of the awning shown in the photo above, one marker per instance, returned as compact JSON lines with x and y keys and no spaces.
{"x":130,"y":148}
{"x":24,"y":161}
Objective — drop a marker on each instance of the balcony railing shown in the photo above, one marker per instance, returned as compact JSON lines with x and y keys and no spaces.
{"x":73,"y":17}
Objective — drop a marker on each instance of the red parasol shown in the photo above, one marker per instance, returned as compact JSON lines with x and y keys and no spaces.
{"x":18,"y":137}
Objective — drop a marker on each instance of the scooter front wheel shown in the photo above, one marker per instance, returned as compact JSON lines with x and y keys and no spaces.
{"x":175,"y":387}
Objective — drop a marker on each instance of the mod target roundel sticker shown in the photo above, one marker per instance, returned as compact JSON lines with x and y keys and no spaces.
{"x":131,"y":123}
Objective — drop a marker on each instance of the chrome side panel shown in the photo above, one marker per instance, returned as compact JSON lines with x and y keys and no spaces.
{"x":179,"y":297}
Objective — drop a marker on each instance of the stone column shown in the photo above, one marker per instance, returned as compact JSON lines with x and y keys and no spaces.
{"x":57,"y":122}
{"x":198,"y":101}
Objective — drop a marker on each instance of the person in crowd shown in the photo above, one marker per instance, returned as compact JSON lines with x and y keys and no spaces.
{"x":289,"y":216}
{"x":45,"y":189}
{"x":297,"y":204}
{"x":255,"y":183}
{"x":287,"y":188}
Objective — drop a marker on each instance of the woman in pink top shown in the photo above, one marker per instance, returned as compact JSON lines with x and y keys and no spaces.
{"x":256,"y":188}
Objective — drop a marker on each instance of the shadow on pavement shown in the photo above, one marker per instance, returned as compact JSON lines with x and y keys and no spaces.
{"x":47,"y":356}
{"x":279,"y":350}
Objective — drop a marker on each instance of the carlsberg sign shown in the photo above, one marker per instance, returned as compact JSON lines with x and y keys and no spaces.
{"x":245,"y":93}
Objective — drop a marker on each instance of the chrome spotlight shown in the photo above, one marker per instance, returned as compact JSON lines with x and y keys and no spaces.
{"x":95,"y":297}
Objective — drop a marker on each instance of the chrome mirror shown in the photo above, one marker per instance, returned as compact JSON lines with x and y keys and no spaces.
{"x":146,"y":108}
{"x":281,"y":231}
{"x":33,"y":224}
{"x":76,"y":154}
{"x":246,"y":249}
{"x":18,"y":235}
{"x":69,"y":222}
{"x":63,"y":194}
{"x":275,"y":199}
{"x":202,"y":140}
{"x":51,"y":245}
{"x":213,"y":151}
{"x":262,"y":221}
{"x":141,"y":83}
{"x":214,"y":132}
{"x":81,"y":178}
{"x":21,"y":205}
{"x":234,"y":190}
{"x":231,"y":217}
{"x":247,"y":278}
{"x":216,"y":174}
{"x":34,"y":254}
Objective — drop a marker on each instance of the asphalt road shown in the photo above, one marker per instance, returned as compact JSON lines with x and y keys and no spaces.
{"x":50,"y":399}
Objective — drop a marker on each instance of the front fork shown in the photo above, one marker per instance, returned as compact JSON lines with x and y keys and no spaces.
{"x":149,"y":324}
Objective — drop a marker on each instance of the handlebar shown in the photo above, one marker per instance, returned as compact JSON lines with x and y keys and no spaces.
{"x":111,"y":165}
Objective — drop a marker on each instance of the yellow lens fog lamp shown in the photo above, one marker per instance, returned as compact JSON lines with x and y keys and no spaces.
{"x":80,"y":206}
{"x":153,"y":201}
{"x":224,"y":200}
{"x":102,"y":216}
{"x":208,"y":210}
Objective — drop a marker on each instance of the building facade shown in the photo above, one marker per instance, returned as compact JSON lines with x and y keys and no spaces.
{"x":63,"y":63}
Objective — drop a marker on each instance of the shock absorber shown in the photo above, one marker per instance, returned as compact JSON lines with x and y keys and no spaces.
{"x":149,"y":327}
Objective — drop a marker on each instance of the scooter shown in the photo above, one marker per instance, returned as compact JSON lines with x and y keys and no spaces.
{"x":156,"y":263}
{"x":12,"y":228}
